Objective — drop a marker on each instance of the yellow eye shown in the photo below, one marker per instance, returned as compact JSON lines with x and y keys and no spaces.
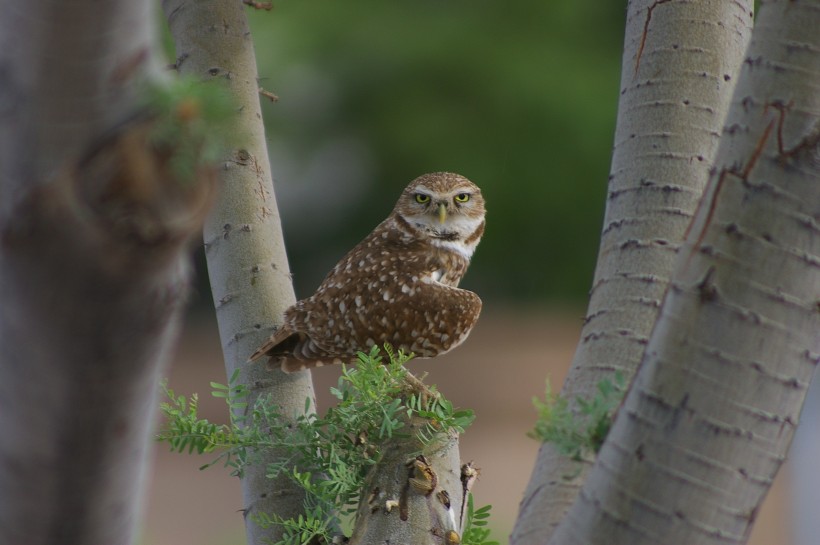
{"x":421,"y":198}
{"x":462,"y":197}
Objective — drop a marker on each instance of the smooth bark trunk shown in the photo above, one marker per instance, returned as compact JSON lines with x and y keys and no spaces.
{"x":680,"y":63}
{"x":244,"y":247}
{"x":93,"y":268}
{"x":710,"y":417}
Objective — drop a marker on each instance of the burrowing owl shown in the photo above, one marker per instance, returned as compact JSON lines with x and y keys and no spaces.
{"x":397,"y":286}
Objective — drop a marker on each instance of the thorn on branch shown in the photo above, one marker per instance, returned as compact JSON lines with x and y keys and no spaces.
{"x":267,"y":94}
{"x":267,"y":6}
{"x":469,"y":475}
{"x":444,"y":497}
{"x":422,"y":478}
{"x":178,"y":63}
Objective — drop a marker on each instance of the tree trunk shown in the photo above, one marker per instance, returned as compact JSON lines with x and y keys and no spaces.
{"x":247,"y":264}
{"x":93,"y":232}
{"x":679,"y":67}
{"x":709,"y":419}
{"x":396,"y":509}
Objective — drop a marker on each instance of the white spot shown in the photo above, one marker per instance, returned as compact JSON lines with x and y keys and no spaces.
{"x":452,"y":516}
{"x":434,"y":277}
{"x":386,"y":296}
{"x":342,"y":307}
{"x":331,"y":322}
{"x":361,"y":263}
{"x":405,"y":288}
{"x":358,"y":300}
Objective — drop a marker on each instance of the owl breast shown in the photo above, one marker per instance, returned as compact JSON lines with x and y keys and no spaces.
{"x":390,"y":289}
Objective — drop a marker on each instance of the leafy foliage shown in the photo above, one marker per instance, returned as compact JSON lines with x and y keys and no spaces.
{"x":581,"y":432}
{"x":475,"y":525}
{"x":333,"y":453}
{"x":188,"y":116}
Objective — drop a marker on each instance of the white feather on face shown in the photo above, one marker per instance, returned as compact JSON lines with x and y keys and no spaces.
{"x":397,"y":286}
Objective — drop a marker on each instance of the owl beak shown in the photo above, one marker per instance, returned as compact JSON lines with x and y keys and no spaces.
{"x":442,"y":212}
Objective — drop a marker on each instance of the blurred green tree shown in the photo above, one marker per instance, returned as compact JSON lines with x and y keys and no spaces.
{"x":519,"y":97}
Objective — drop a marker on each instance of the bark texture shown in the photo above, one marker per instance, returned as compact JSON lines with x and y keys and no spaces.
{"x":410,"y":499}
{"x":93,"y":232}
{"x":680,"y":64}
{"x":247,"y":263}
{"x":711,"y":414}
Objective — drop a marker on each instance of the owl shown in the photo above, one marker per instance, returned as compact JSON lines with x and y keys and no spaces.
{"x":398,"y":286}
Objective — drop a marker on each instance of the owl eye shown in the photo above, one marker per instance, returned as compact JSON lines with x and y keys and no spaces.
{"x":421,"y":198}
{"x":462,"y":197}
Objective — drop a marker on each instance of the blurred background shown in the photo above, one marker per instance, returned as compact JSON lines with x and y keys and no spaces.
{"x":518,"y":96}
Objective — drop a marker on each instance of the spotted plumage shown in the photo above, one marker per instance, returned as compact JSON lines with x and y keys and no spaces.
{"x":398,"y":286}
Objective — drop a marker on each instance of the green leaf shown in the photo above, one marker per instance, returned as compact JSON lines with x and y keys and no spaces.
{"x":333,"y":452}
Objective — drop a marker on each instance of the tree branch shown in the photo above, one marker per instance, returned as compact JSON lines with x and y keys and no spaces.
{"x":94,"y":224}
{"x":247,"y":263}
{"x":711,"y":414}
{"x":679,"y":67}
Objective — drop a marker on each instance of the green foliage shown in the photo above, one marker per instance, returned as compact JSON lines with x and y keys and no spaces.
{"x":581,"y":432}
{"x":187,"y":432}
{"x":188,"y":116}
{"x":475,"y":525}
{"x":333,"y":453}
{"x":312,"y":527}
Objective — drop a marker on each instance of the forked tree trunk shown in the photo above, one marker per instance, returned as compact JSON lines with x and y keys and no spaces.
{"x":680,"y":64}
{"x":247,"y":263}
{"x":93,"y":232}
{"x":711,"y":414}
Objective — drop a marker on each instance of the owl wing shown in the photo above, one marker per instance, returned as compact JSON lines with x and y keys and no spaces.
{"x":411,"y":313}
{"x":385,"y":290}
{"x":274,"y":341}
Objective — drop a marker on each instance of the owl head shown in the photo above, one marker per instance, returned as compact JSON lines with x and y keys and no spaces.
{"x":444,"y":207}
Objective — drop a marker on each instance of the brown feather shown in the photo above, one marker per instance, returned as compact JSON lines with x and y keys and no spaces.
{"x":398,"y":286}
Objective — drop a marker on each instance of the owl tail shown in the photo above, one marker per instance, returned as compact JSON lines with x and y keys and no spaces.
{"x":279,"y":344}
{"x":292,"y":352}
